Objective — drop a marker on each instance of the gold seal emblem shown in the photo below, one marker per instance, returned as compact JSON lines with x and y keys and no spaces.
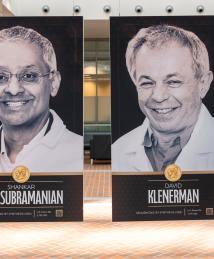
{"x":21,"y":174}
{"x":173,"y":173}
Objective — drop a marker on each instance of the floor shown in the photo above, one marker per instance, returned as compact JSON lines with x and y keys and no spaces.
{"x":97,"y":178}
{"x":99,"y":237}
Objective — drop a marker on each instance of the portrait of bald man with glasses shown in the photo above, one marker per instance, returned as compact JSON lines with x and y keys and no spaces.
{"x":170,"y":69}
{"x":32,"y":134}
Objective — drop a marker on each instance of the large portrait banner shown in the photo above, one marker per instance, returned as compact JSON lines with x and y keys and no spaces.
{"x":41,"y":118}
{"x":162,"y":117}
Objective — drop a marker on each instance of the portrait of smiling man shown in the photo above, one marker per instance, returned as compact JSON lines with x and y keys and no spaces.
{"x":170,"y":69}
{"x":32,"y":134}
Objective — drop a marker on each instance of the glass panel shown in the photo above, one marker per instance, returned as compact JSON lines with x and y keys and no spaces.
{"x":90,"y":50}
{"x":103,"y":45}
{"x":104,"y":113}
{"x":90,"y":109}
{"x":97,"y":82}
{"x":103,"y":50}
{"x":90,"y":45}
{"x":90,"y":88}
{"x":103,"y":67}
{"x":103,"y":55}
{"x":90,"y":68}
{"x":92,"y":127}
{"x":90,"y":55}
{"x":103,"y":88}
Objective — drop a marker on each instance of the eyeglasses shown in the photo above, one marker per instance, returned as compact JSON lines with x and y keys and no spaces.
{"x":25,"y":77}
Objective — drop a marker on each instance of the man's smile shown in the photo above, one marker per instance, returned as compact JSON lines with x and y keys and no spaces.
{"x":15,"y":103}
{"x":164,"y":110}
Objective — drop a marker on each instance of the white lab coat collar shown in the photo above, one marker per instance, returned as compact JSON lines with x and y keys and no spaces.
{"x":56,"y":131}
{"x":202,"y":135}
{"x":136,"y":156}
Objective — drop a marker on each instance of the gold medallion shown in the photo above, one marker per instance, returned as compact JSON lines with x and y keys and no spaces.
{"x":21,"y":174}
{"x":173,"y":173}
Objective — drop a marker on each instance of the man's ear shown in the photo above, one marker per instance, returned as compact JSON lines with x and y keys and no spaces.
{"x":205,"y":83}
{"x":55,"y":83}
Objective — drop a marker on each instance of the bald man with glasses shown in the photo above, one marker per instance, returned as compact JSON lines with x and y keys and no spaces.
{"x":31,"y":133}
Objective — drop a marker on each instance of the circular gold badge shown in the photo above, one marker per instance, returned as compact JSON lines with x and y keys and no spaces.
{"x":173,"y":173}
{"x":21,"y":174}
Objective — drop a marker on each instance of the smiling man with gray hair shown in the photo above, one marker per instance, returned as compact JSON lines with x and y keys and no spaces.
{"x":32,"y":134}
{"x":170,"y":69}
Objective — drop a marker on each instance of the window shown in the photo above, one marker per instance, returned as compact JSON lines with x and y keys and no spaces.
{"x":97,"y":82}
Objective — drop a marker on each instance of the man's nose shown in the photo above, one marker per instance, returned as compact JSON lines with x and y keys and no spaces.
{"x":14,"y":87}
{"x":160,"y":92}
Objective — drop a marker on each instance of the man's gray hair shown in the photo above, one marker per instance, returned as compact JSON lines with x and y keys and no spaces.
{"x":31,"y":36}
{"x":158,"y":35}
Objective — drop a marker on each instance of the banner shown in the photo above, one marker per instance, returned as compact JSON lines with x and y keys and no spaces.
{"x":42,"y":198}
{"x":41,"y":105}
{"x":162,"y":124}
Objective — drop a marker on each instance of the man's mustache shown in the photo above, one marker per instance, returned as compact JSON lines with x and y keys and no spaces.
{"x":16,"y":98}
{"x":163,"y":105}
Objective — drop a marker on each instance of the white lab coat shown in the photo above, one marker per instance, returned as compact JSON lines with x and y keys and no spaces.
{"x":128,"y":153}
{"x":60,"y":150}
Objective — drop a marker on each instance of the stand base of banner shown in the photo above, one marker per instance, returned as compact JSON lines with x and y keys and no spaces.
{"x":138,"y":197}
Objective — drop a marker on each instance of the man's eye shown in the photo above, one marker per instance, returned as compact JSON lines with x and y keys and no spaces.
{"x":146,"y":84}
{"x":29,"y":77}
{"x":3,"y":78}
{"x":174,"y":83}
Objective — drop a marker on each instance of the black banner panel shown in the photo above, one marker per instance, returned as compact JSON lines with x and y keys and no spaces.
{"x":42,"y":198}
{"x":41,"y":118}
{"x":162,"y":110}
{"x":152,"y":197}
